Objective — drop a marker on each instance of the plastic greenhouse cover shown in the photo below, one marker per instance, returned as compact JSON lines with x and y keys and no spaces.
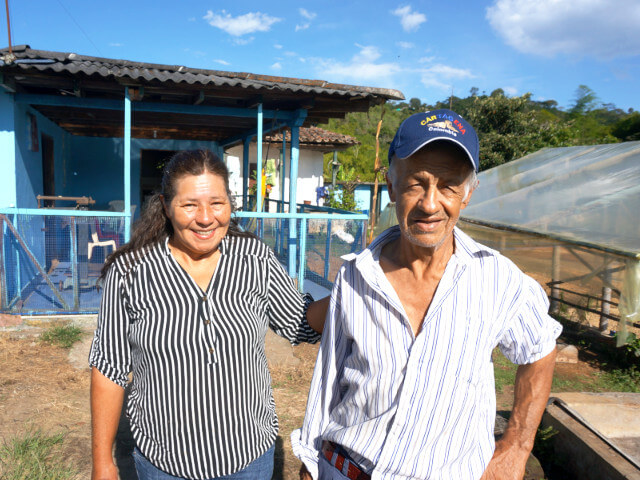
{"x":587,"y":194}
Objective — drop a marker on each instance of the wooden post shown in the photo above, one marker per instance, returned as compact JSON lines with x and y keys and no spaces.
{"x":376,"y":169}
{"x":606,"y":298}
{"x":555,"y":276}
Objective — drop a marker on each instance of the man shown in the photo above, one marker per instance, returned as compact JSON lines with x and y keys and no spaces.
{"x":403,"y":386}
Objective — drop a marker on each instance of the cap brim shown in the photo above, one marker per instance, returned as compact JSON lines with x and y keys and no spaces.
{"x":406,"y":152}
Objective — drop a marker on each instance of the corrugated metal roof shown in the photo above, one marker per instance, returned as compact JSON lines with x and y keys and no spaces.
{"x":27,"y":58}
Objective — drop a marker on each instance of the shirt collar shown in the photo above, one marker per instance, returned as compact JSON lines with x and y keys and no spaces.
{"x":466,"y":248}
{"x":222,"y":247}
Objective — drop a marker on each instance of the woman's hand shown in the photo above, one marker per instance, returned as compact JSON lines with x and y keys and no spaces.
{"x":104,"y":472}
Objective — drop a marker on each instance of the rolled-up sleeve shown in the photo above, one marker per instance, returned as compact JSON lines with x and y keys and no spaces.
{"x":530,"y":332}
{"x":110,"y":351}
{"x":287,"y":306}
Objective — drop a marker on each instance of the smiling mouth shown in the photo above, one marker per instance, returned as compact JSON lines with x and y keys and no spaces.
{"x":203,"y":233}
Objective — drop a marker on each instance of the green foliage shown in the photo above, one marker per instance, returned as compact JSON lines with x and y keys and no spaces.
{"x":344,"y":198}
{"x":628,"y":128}
{"x":62,"y":335}
{"x":509,"y":127}
{"x":35,"y":456}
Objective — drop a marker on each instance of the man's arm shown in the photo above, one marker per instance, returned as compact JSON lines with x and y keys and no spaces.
{"x":532,"y":388}
{"x":317,"y":312}
{"x":106,"y":406}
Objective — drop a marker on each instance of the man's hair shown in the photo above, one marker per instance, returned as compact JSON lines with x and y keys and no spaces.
{"x":470,"y":182}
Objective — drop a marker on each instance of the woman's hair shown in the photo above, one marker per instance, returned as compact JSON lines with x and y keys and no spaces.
{"x":154,"y":226}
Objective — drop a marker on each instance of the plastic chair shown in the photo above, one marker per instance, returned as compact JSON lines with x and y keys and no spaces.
{"x":97,"y":242}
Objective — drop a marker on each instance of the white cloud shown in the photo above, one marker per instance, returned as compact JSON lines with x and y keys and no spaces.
{"x":191,"y":19}
{"x":243,"y":41}
{"x":307,"y":14}
{"x":242,"y":24}
{"x":409,"y":19}
{"x":511,"y":91}
{"x":443,"y":76}
{"x":116,"y":45}
{"x":426,"y":59}
{"x":221,"y":62}
{"x":290,"y":54}
{"x":277,"y":46}
{"x":361,"y":68}
{"x":576,"y":27}
{"x":405,"y":44}
{"x":276,"y":66}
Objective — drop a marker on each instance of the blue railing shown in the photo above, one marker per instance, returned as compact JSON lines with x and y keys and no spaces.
{"x":50,"y":260}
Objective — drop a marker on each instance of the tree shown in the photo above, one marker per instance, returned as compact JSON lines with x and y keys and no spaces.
{"x":585,"y":100}
{"x":415,"y":104}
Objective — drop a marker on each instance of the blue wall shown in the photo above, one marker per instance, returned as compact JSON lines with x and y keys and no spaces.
{"x":7,"y":152}
{"x":95,"y":166}
{"x":363,"y":195}
{"x":28,"y":173}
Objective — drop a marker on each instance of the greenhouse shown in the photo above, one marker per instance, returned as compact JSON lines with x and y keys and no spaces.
{"x":570,"y":218}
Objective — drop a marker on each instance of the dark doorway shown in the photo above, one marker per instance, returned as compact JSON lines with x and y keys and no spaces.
{"x":151,"y":163}
{"x":48,"y":175}
{"x":52,"y":242}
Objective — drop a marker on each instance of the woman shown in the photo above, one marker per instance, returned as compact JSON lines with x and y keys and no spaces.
{"x":185,"y":307}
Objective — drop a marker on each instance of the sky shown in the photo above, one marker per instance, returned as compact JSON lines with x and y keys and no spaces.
{"x":426,"y":49}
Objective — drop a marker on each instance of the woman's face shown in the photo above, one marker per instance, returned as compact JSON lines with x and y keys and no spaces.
{"x":200,"y":213}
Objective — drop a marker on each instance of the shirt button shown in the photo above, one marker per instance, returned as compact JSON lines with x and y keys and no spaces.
{"x":207,"y":322}
{"x":204,"y":299}
{"x":211,"y":350}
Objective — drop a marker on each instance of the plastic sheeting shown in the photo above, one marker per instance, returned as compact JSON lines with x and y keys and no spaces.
{"x":571,"y":216}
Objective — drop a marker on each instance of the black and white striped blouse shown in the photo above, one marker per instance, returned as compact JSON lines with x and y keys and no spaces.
{"x":201,"y":404}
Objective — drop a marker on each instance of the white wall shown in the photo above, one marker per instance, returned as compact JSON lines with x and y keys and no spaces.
{"x":309,"y":171}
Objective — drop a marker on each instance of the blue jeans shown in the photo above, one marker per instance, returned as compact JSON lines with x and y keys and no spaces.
{"x":260,"y":469}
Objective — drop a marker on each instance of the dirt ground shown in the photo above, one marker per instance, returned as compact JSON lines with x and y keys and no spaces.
{"x":40,"y":389}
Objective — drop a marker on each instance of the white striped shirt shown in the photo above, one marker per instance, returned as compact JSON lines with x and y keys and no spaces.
{"x":420,"y":407}
{"x":201,"y":404}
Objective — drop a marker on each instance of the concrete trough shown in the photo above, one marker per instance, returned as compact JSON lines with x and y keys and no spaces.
{"x":598,"y":434}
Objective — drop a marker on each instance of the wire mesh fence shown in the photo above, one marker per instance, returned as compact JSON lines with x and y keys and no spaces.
{"x":51,"y":264}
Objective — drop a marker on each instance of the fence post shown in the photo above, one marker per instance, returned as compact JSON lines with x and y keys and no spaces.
{"x":3,"y":279}
{"x":74,"y":263}
{"x":303,"y":253}
{"x":606,"y":298}
{"x":327,"y":251}
{"x":555,"y":276}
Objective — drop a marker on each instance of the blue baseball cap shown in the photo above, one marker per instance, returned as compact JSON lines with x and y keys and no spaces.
{"x":422,"y":128}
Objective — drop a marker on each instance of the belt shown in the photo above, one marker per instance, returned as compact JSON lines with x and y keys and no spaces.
{"x":337,"y":457}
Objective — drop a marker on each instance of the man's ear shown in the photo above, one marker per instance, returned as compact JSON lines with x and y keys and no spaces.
{"x":392,"y":194}
{"x":465,"y":202}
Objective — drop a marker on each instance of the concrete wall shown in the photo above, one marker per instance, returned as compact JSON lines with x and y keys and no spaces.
{"x":310,"y":167}
{"x":28,"y":173}
{"x":7,"y":151}
{"x":95,"y":166}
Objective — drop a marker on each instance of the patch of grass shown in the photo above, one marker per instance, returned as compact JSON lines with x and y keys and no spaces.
{"x":35,"y":456}
{"x":503,"y":370}
{"x":62,"y":335}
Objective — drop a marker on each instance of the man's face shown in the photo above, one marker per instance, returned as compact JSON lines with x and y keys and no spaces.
{"x":429,"y":192}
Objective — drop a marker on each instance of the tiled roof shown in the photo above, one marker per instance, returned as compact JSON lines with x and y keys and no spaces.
{"x":316,"y":136}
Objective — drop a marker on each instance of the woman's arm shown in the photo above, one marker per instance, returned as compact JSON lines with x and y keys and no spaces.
{"x":106,"y":406}
{"x":317,"y":313}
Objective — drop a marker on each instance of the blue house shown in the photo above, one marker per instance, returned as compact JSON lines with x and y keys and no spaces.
{"x":82,"y":140}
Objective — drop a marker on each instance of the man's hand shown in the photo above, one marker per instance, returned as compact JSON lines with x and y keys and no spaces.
{"x":304,"y":473}
{"x":533,"y":384}
{"x":508,"y":462}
